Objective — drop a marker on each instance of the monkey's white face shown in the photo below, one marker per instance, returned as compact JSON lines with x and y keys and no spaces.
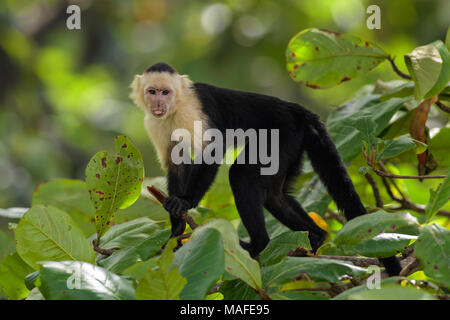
{"x":156,"y":93}
{"x":159,"y":99}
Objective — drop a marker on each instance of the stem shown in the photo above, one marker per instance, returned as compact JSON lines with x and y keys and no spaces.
{"x":160,"y":196}
{"x":376,"y":191}
{"x":397,"y":70}
{"x":394,"y":176}
{"x":442,"y":106}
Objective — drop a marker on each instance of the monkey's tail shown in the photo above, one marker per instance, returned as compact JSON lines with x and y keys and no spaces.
{"x":328,"y":164}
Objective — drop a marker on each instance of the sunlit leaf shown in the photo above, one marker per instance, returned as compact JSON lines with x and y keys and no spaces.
{"x":114,"y":181}
{"x":47,"y":233}
{"x":322,"y":58}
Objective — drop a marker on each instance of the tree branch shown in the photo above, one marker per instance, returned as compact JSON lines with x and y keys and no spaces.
{"x":397,"y":70}
{"x":160,"y":196}
{"x":376,"y":191}
{"x":442,"y":106}
{"x":394,"y":176}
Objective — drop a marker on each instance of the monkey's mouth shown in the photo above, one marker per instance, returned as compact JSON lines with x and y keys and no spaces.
{"x":158,"y":111}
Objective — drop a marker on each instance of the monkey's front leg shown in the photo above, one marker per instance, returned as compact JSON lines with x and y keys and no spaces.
{"x":175,"y":206}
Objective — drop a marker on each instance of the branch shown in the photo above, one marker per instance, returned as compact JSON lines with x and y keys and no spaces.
{"x":397,"y":70}
{"x":376,"y":191}
{"x":106,"y":252}
{"x":160,"y":196}
{"x":410,"y":268}
{"x":334,"y":215}
{"x":394,"y":176}
{"x":357,"y":261}
{"x":442,"y":106}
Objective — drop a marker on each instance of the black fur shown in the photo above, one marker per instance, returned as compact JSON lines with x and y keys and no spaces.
{"x":161,"y":67}
{"x":300,"y":131}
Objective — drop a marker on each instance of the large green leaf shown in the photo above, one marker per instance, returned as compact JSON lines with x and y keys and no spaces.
{"x":279,"y":246}
{"x":378,"y":234}
{"x":201,"y":261}
{"x":299,"y":295}
{"x":75,"y":280}
{"x":237,"y":260}
{"x":238,"y":290}
{"x":6,"y":244}
{"x":438,"y":198}
{"x":143,"y":207}
{"x":432,"y":249}
{"x":393,"y":148}
{"x":392,"y":292}
{"x":429,"y":67}
{"x":163,"y":282}
{"x":142,"y":251}
{"x":13,"y":271}
{"x":322,"y":58}
{"x":129,"y":233}
{"x":114,"y":181}
{"x":439,"y":147}
{"x":46,"y":233}
{"x":317,"y":269}
{"x":71,"y":196}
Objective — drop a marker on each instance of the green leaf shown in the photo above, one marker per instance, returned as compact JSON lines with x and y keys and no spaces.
{"x":6,"y":245}
{"x":278,"y":247}
{"x":438,"y":198}
{"x":129,"y":233}
{"x":392,"y":292}
{"x":143,"y":207}
{"x":114,"y":181}
{"x":362,"y":288}
{"x":71,"y":196}
{"x":378,"y":234}
{"x":395,"y":147}
{"x":219,"y":195}
{"x":429,"y":67}
{"x":142,"y":251}
{"x":432,"y":249}
{"x":348,"y":138}
{"x":317,"y":269}
{"x":75,"y":280}
{"x":13,"y":271}
{"x":164,"y":282}
{"x":299,"y":295}
{"x":439,"y":147}
{"x":447,"y":39}
{"x":322,"y":58}
{"x":237,"y":260}
{"x":238,"y":290}
{"x":201,"y":261}
{"x":314,"y":197}
{"x":48,"y":233}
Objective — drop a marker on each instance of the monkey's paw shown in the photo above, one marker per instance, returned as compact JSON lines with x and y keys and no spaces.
{"x":175,"y":206}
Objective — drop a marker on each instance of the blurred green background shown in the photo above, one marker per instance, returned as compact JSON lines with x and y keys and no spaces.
{"x":64,"y":93}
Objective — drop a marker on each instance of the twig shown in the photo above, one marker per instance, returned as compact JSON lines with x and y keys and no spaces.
{"x":394,"y":176}
{"x":376,"y":191}
{"x":357,"y":261}
{"x":160,"y":196}
{"x":397,"y":70}
{"x":106,"y":252}
{"x":406,"y":203}
{"x":442,"y":106}
{"x":334,"y":215}
{"x":410,"y":268}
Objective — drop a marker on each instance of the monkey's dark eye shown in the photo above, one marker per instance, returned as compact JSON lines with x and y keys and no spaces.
{"x":152,"y":91}
{"x":165,"y":92}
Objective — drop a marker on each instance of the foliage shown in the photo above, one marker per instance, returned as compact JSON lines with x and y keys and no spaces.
{"x":381,"y":129}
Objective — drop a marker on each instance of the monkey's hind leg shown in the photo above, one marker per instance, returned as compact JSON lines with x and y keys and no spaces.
{"x":290,"y":213}
{"x":249,"y":199}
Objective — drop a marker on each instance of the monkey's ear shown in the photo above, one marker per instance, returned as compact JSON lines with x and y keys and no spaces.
{"x":185,"y":81}
{"x":137,"y":94}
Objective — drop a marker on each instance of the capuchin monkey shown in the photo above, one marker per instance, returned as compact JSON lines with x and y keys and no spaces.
{"x":172,"y":101}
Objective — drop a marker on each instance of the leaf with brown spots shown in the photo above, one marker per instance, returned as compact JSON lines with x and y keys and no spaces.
{"x":119,"y":175}
{"x":331,"y":58}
